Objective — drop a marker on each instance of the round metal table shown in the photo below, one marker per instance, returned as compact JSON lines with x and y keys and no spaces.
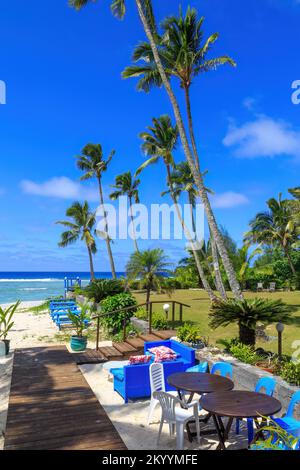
{"x":237,"y":404}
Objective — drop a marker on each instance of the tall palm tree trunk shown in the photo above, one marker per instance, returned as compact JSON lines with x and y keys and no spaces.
{"x":107,"y":239}
{"x":133,"y":227}
{"x":287,"y":254}
{"x":190,"y":239}
{"x":191,"y":127}
{"x":196,"y":238}
{"x":235,"y":287}
{"x":91,"y":263}
{"x":218,"y":278}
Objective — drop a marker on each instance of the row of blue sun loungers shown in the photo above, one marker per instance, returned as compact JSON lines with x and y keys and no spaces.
{"x":59,"y":312}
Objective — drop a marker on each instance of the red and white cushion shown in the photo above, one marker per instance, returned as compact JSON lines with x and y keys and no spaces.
{"x":139,"y":360}
{"x":163,"y":356}
{"x":162,"y":349}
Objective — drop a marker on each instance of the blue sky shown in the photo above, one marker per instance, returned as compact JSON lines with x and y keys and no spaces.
{"x":62,"y":73}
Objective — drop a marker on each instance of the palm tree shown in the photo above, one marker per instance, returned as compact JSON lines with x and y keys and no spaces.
{"x":244,"y":258}
{"x":91,"y":161}
{"x":81,"y":227}
{"x":184,"y":56}
{"x":274,"y":227}
{"x":183,"y":181}
{"x":294,"y":205}
{"x":145,"y":12}
{"x":148,"y":266}
{"x":159,"y":143}
{"x":126,"y":185}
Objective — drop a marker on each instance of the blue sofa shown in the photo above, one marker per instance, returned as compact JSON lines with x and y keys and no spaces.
{"x":133,"y":381}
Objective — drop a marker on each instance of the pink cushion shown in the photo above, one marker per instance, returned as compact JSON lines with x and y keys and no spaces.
{"x":139,"y":360}
{"x":162,"y":349}
{"x":162,"y":356}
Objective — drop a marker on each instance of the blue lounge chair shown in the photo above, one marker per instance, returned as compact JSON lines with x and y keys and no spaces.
{"x":265,"y":385}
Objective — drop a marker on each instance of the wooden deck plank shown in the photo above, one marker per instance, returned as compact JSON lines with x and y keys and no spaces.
{"x":125,"y":348}
{"x":149,"y":337}
{"x":52,"y":407}
{"x":136,"y":343}
{"x":165,"y":334}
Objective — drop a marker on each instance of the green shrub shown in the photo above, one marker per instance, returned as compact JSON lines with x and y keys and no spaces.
{"x":290,"y":372}
{"x":227,"y":343}
{"x":159,"y":321}
{"x":188,"y":333}
{"x":102,"y":288}
{"x":141,"y":314}
{"x":114,"y":323}
{"x":244,"y":353}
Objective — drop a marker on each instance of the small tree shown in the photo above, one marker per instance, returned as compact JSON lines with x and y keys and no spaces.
{"x":6,"y":322}
{"x":80,"y":321}
{"x":247,"y":313}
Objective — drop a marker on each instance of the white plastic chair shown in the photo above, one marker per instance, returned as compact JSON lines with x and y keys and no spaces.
{"x":157,"y":384}
{"x":177,"y":414}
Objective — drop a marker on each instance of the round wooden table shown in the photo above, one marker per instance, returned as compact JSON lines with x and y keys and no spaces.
{"x":198,"y":382}
{"x":237,"y":404}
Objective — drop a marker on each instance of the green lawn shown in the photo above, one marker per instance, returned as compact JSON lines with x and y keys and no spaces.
{"x":198,"y":313}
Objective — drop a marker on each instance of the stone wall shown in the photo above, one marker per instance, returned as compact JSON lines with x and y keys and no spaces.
{"x":246,"y":377}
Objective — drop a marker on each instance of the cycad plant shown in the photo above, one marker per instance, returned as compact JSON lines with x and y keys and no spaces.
{"x":149,"y":267}
{"x":127,"y":185}
{"x":145,"y":12}
{"x":93,"y":164}
{"x":247,"y":313}
{"x":81,"y":226}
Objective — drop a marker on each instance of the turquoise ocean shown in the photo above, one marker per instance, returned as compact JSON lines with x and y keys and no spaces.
{"x":29,"y":286}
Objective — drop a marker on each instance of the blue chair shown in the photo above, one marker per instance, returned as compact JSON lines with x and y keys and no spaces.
{"x":288,"y":422}
{"x":224,"y":369}
{"x":264,"y":385}
{"x":202,"y":367}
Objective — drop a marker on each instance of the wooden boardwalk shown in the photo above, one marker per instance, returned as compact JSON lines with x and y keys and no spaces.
{"x":52,"y":407}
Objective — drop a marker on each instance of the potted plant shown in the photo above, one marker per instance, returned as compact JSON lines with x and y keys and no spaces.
{"x":6,"y":323}
{"x":80,"y":322}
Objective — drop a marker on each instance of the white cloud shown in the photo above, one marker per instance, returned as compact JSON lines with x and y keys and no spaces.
{"x":60,"y":187}
{"x":263,"y":137}
{"x":228,"y":200}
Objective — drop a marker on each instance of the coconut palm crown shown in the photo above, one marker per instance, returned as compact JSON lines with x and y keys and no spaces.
{"x":148,"y":266}
{"x":81,"y":227}
{"x":159,"y":141}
